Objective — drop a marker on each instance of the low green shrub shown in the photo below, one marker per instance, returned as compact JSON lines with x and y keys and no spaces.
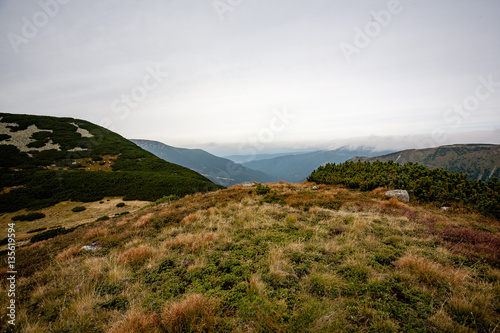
{"x":36,"y":230}
{"x":51,"y":233}
{"x":262,"y":189}
{"x":28,"y":217}
{"x":78,"y":209}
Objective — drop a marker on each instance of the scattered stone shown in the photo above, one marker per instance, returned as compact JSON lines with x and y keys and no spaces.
{"x":91,"y":247}
{"x":248,"y":184}
{"x":399,"y":194}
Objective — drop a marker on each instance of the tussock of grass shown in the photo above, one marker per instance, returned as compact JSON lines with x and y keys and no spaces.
{"x":191,"y":242}
{"x":431,"y":273}
{"x":98,"y":231}
{"x":137,"y":322}
{"x":68,"y":253}
{"x":143,"y":220}
{"x":136,"y":255}
{"x":195,"y":313}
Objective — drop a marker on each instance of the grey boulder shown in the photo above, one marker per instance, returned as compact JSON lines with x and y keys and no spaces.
{"x":399,"y":194}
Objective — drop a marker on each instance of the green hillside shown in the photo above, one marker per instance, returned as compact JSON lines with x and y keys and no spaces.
{"x":478,"y":161}
{"x":45,"y":160}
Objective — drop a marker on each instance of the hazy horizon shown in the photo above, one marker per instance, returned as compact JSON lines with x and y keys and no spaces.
{"x":237,"y":76}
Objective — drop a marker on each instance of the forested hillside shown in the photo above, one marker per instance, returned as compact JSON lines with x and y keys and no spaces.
{"x":44,"y":160}
{"x":478,"y":161}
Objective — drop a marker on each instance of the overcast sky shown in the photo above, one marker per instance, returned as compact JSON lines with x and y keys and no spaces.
{"x":227,"y":75}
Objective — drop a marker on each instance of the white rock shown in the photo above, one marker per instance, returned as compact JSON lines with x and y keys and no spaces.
{"x":91,"y":247}
{"x":399,"y":194}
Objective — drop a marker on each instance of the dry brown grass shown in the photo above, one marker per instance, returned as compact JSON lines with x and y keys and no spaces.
{"x":143,"y":220}
{"x":395,"y":203}
{"x":68,"y":253}
{"x":442,"y":321}
{"x":196,"y":313}
{"x":95,"y":232}
{"x":190,"y":218}
{"x":432,"y":273}
{"x":137,"y":322}
{"x":136,"y":255}
{"x":256,"y":285}
{"x":279,"y":264}
{"x":192,"y":242}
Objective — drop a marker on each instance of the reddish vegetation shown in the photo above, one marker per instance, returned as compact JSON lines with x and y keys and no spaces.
{"x":480,"y":244}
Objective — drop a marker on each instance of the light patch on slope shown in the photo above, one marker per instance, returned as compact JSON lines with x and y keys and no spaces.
{"x":21,"y":139}
{"x":82,"y":131}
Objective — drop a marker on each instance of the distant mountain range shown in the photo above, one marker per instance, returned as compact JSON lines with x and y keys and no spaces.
{"x":478,"y":161}
{"x":255,"y":157}
{"x":220,"y":170}
{"x":297,"y":167}
{"x":45,"y":160}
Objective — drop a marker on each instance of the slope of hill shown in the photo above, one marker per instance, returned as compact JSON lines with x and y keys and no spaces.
{"x":478,"y":161}
{"x":221,"y":171}
{"x":45,"y":160}
{"x":295,"y":168}
{"x":293,"y":260}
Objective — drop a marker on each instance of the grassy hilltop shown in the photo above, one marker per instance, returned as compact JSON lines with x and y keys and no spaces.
{"x":286,"y":259}
{"x":45,"y":160}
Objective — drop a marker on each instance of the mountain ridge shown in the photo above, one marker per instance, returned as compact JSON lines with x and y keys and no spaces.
{"x":297,"y":167}
{"x":220,"y":170}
